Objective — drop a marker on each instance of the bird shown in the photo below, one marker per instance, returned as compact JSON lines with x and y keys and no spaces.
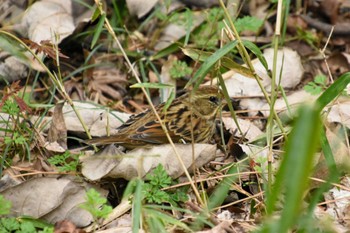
{"x":191,"y":113}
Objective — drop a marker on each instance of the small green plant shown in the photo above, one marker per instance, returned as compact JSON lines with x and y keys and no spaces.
{"x":11,"y":107}
{"x":309,"y":37}
{"x":158,"y":180}
{"x":180,"y":69}
{"x":16,"y":139}
{"x":317,"y":86}
{"x":17,"y":225}
{"x":96,"y":205}
{"x":66,"y":162}
{"x":5,"y":206}
{"x":248,"y":23}
{"x":16,"y":130}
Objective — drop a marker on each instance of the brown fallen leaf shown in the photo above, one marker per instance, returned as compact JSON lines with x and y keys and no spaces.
{"x":58,"y":131}
{"x":111,"y":162}
{"x":52,"y":199}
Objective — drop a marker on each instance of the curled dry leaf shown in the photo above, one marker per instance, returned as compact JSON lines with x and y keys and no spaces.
{"x":95,"y":117}
{"x":112,"y":163}
{"x":340,"y":113}
{"x":54,"y":147}
{"x":58,"y":131}
{"x":287,"y":60}
{"x":44,"y":19}
{"x":52,"y":199}
{"x":7,"y":181}
{"x":50,"y":20}
{"x":249,"y":130}
{"x":140,"y":7}
{"x":12,"y":68}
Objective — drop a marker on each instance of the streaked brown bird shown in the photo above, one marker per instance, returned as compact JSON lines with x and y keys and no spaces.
{"x":190,"y":112}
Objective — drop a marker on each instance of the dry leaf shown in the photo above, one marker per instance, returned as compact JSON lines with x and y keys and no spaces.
{"x":287,"y":60}
{"x":58,"y":131}
{"x":249,"y":130}
{"x":140,"y":7}
{"x":45,"y":19}
{"x":95,"y":117}
{"x":166,"y":78}
{"x":340,"y":113}
{"x":54,"y":147}
{"x":174,"y":32}
{"x":294,"y":101}
{"x":142,"y":160}
{"x":52,"y":199}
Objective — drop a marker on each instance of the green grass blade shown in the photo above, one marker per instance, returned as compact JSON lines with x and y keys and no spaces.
{"x":295,"y":168}
{"x":306,"y":222}
{"x":98,"y":30}
{"x":136,"y":207}
{"x":333,"y":91}
{"x":207,"y":65}
{"x":199,"y":55}
{"x":255,"y":49}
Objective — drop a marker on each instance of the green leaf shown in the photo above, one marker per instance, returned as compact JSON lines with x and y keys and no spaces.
{"x":60,"y":161}
{"x":10,"y":107}
{"x":5,"y":206}
{"x":199,"y":55}
{"x":27,"y":227}
{"x":10,"y":224}
{"x":157,"y":220}
{"x":37,"y":223}
{"x":98,"y":31}
{"x":137,"y":206}
{"x":333,"y":91}
{"x":167,"y":50}
{"x":255,"y":49}
{"x":320,"y":79}
{"x":248,"y":23}
{"x":180,"y":69}
{"x":293,"y":175}
{"x":312,"y":88}
{"x":207,"y":65}
{"x":169,"y":100}
{"x":96,"y":204}
{"x":95,"y":15}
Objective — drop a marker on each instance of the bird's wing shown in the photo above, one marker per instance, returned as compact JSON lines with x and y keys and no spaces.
{"x":152,"y":132}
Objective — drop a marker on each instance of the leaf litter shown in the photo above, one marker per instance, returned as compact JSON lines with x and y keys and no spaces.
{"x":55,"y":198}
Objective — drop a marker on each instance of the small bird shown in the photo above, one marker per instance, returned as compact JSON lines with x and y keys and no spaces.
{"x":190,"y":112}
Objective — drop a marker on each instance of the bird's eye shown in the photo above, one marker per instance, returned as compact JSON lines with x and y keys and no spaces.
{"x":214,"y":99}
